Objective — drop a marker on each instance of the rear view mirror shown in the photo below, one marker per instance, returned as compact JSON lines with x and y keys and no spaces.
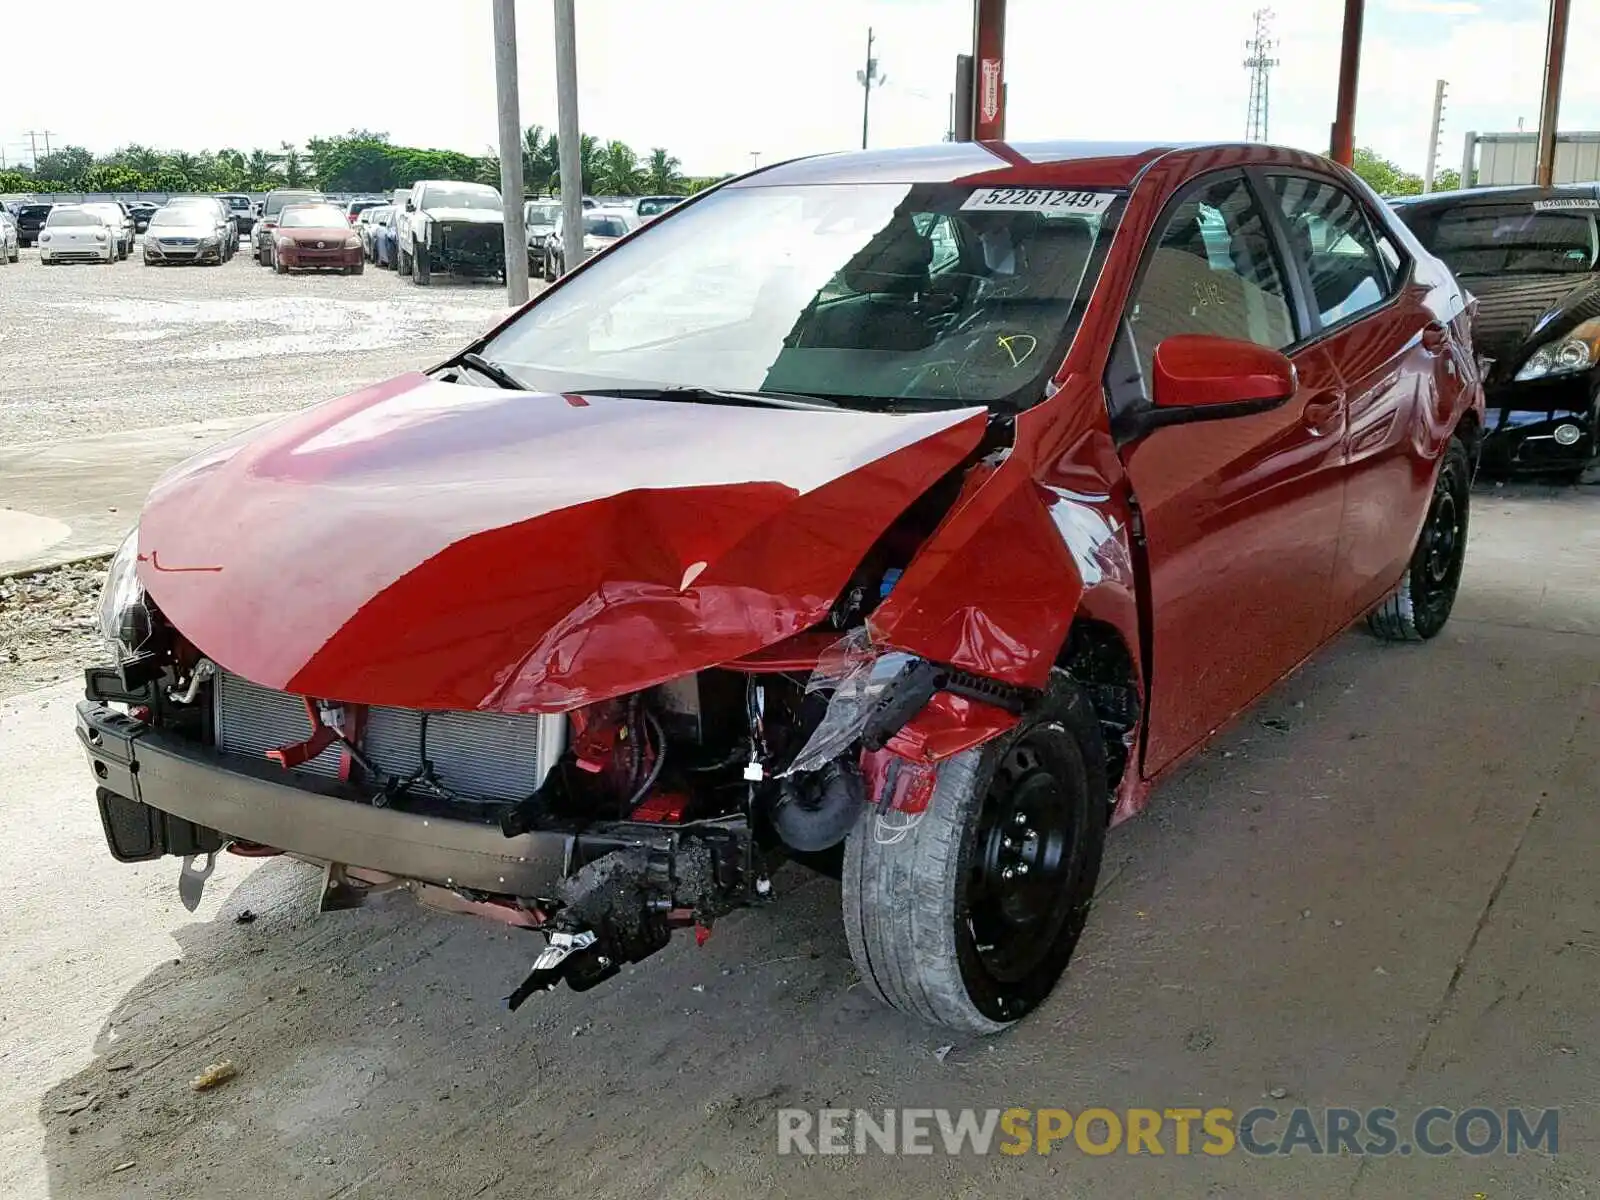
{"x":1197,"y":377}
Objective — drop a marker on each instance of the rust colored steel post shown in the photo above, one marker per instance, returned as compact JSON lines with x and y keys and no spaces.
{"x":1343,"y":149}
{"x":988,"y":52}
{"x":1555,"y":56}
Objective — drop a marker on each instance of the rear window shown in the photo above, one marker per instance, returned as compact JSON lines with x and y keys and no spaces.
{"x":34,"y":210}
{"x":277,"y":201}
{"x":613,"y":227}
{"x":1512,"y":239}
{"x":311,"y":218}
{"x":542,"y":214}
{"x":71,"y":216}
{"x":653,"y":207}
{"x":239,"y":203}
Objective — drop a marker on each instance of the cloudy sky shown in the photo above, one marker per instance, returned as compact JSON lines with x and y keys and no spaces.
{"x":715,"y":80}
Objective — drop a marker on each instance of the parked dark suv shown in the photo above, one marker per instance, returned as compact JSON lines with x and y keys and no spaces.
{"x":30,"y":220}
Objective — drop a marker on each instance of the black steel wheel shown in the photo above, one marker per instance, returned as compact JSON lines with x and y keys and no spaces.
{"x":966,"y":914}
{"x":1421,"y":603}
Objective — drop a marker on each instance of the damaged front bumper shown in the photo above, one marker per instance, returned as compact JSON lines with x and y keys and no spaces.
{"x":160,"y":794}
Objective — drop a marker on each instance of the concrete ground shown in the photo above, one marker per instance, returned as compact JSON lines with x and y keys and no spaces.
{"x":1378,"y":889}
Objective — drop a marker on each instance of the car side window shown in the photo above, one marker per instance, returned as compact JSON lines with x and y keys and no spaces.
{"x":1330,"y":236}
{"x":1213,"y":271}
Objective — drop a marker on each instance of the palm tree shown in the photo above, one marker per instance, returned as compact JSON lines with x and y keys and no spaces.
{"x":294,"y":172}
{"x":184,"y":166}
{"x":661,"y":172}
{"x":142,"y":159}
{"x":259,"y":169}
{"x":536,"y":159}
{"x":618,"y":170}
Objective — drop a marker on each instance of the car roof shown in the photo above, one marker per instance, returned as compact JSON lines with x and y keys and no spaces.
{"x":1515,"y":193}
{"x":1063,"y":162}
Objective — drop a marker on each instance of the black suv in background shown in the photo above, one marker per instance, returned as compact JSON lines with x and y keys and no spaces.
{"x":30,"y":220}
{"x":1531,"y":257}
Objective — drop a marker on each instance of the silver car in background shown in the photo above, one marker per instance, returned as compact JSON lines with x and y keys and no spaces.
{"x":184,"y":233}
{"x":222,"y":215}
{"x":10,"y":243}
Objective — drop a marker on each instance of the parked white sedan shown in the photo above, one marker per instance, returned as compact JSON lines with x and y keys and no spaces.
{"x":9,"y":242}
{"x":74,"y":234}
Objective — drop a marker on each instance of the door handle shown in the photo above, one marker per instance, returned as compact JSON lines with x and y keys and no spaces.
{"x":1434,"y":337}
{"x":1321,"y":413}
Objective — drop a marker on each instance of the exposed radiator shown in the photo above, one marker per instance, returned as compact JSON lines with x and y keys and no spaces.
{"x":475,"y":755}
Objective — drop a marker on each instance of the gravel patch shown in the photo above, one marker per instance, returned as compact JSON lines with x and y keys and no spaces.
{"x":47,"y":625}
{"x":97,"y":348}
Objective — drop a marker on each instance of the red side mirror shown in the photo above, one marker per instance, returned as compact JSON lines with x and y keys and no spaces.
{"x":1195,"y":370}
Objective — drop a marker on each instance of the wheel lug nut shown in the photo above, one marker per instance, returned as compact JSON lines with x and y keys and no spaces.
{"x":1022,"y":868}
{"x":1009,"y":843}
{"x":1020,"y":819}
{"x":1007,"y":873}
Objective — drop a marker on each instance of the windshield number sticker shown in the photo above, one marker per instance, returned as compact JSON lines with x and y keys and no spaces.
{"x":1045,"y":200}
{"x":1565,"y":202}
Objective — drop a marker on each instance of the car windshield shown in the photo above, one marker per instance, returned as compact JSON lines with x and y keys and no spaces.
{"x":463,"y":196}
{"x":923,"y":294}
{"x":311,"y":218}
{"x":72,"y":216}
{"x":650,"y":208}
{"x":542,"y":214}
{"x":239,"y":202}
{"x":175,"y":217}
{"x":1513,"y":239}
{"x":606,"y":227}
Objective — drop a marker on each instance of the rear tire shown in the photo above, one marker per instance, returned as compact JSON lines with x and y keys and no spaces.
{"x":940,"y":921}
{"x":421,"y":268}
{"x":1420,"y":604}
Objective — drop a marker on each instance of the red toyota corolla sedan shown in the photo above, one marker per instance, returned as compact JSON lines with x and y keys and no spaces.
{"x":316,"y":237}
{"x":908,"y":514}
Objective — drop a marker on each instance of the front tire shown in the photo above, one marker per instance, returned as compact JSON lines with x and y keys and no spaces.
{"x":966,"y":914}
{"x":1420,"y":604}
{"x":421,"y":267}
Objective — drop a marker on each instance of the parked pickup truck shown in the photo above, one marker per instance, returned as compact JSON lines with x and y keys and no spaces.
{"x":907,"y":514}
{"x":454,"y":227}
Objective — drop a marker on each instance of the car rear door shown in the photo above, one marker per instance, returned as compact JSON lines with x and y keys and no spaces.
{"x":1393,"y":358}
{"x":1240,"y":515}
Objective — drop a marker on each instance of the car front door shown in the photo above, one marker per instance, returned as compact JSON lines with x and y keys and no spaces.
{"x":1240,"y":515}
{"x":1395,"y":359}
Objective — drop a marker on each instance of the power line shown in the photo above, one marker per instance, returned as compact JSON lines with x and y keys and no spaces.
{"x":33,"y":136}
{"x":1259,"y":64}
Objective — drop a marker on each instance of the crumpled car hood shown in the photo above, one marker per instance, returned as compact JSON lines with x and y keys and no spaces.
{"x":446,"y":546}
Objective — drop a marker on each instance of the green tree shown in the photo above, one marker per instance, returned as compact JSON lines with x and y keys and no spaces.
{"x":536,"y":162}
{"x":618,"y":172}
{"x":260,"y":170}
{"x":67,"y":164}
{"x":662,"y":174}
{"x":115,"y":177}
{"x":1385,"y":177}
{"x":1447,"y":180}
{"x":294,"y":168}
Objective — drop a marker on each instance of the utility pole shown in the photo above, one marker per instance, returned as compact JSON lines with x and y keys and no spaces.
{"x":1555,"y":56}
{"x":868,"y":79}
{"x":567,"y":135}
{"x":1259,"y":64}
{"x":505,"y":79}
{"x":33,"y":144}
{"x":755,"y":159}
{"x":1433,"y":138}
